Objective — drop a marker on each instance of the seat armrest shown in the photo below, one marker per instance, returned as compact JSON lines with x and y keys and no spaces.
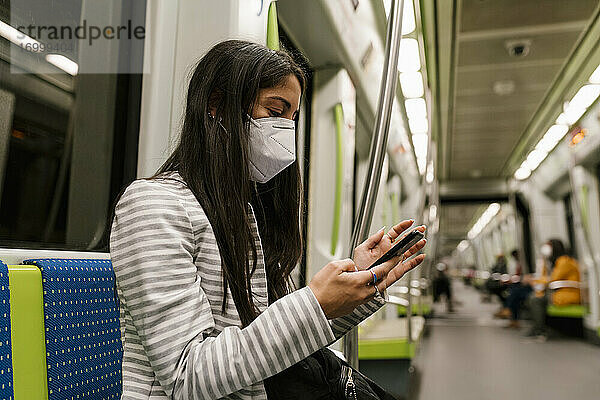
{"x":397,"y":301}
{"x":564,"y":284}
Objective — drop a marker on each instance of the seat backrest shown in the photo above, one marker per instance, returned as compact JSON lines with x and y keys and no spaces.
{"x":83,"y":343}
{"x":6,"y":376}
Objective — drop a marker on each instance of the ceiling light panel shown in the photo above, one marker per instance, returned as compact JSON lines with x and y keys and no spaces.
{"x":522,"y":173}
{"x":409,"y":59}
{"x":572,"y":114}
{"x":485,"y":219}
{"x":418,"y":125}
{"x":64,"y":63}
{"x":420,"y":144}
{"x":595,"y":77}
{"x":556,"y":132}
{"x":463,"y":245}
{"x":408,"y":18}
{"x":562,"y":119}
{"x":412,"y":84}
{"x":585,"y":96}
{"x":19,"y":38}
{"x":534,"y":159}
{"x":415,"y":108}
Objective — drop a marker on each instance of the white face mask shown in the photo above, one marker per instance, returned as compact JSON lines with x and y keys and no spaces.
{"x":272,"y":147}
{"x":546,"y":250}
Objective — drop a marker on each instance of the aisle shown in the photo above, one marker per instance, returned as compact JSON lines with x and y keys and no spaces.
{"x":470,"y":356}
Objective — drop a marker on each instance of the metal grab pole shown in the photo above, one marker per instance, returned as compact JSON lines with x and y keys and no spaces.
{"x":377,"y":152}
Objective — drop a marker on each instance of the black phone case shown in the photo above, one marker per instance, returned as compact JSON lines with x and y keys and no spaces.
{"x":403,"y":245}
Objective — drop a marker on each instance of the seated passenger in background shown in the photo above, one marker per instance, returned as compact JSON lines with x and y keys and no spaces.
{"x":564,"y":268}
{"x":514,"y":284}
{"x":518,"y":267}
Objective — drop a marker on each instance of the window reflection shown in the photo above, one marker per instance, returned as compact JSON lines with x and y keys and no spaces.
{"x":68,"y":141}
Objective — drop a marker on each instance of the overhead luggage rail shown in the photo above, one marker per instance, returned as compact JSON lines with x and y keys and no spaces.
{"x":377,"y":151}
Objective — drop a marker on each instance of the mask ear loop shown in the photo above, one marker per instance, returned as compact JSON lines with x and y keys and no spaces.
{"x":252,"y":121}
{"x":219,"y":121}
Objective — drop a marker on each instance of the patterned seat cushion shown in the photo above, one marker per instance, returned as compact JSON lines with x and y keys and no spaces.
{"x":83,"y":344}
{"x":6,"y":376}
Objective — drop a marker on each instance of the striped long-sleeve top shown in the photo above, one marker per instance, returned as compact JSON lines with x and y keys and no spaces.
{"x":177,"y":342}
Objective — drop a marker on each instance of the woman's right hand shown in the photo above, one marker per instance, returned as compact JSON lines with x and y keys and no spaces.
{"x":339,"y":288}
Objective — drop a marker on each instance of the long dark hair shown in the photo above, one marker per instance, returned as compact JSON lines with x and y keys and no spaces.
{"x":558,"y":250}
{"x":212,"y":158}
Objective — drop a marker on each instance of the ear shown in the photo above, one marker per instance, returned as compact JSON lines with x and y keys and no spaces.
{"x":214,"y":101}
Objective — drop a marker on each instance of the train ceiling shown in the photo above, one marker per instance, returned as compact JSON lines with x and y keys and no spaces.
{"x":493,"y":92}
{"x":495,"y":63}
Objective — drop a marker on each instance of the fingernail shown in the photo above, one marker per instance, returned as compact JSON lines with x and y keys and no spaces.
{"x":383,"y":228}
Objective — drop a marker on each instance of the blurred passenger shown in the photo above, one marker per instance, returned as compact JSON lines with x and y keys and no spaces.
{"x":514,"y":284}
{"x":494,"y":284}
{"x":518,"y":271}
{"x":500,"y":266}
{"x":442,"y":286}
{"x":469,"y":275}
{"x":564,"y":268}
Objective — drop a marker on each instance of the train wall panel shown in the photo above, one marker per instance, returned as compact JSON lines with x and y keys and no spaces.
{"x":331,"y":88}
{"x":179,"y":33}
{"x":340,"y":34}
{"x":547,"y":216}
{"x":588,"y":195}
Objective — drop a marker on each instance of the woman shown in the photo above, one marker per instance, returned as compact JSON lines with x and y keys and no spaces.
{"x":203,"y":250}
{"x":564,"y":268}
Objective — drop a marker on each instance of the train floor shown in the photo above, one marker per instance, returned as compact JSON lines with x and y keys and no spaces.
{"x":468,"y":355}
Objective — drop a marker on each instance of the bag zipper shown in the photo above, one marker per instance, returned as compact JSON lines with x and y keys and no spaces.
{"x":348,"y":383}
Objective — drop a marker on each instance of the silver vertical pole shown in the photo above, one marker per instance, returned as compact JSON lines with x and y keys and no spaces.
{"x":377,"y":153}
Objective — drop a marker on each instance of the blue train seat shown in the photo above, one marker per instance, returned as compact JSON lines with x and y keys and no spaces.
{"x":6,"y":376}
{"x":81,"y":317}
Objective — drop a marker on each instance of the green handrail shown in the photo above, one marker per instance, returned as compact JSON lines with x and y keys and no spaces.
{"x":395,"y":207}
{"x":272,"y":27}
{"x":585,"y":191}
{"x":338,"y":113}
{"x":386,"y":209}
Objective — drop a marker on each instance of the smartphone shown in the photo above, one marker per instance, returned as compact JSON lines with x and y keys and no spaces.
{"x":401,"y":247}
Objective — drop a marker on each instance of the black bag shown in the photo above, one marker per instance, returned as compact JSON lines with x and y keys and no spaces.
{"x":320,"y":376}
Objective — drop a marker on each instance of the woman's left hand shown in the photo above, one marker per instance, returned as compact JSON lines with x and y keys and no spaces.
{"x":378,"y":244}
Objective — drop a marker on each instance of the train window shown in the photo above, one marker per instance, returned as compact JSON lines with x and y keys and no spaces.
{"x":570,"y":224}
{"x":68,"y":138}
